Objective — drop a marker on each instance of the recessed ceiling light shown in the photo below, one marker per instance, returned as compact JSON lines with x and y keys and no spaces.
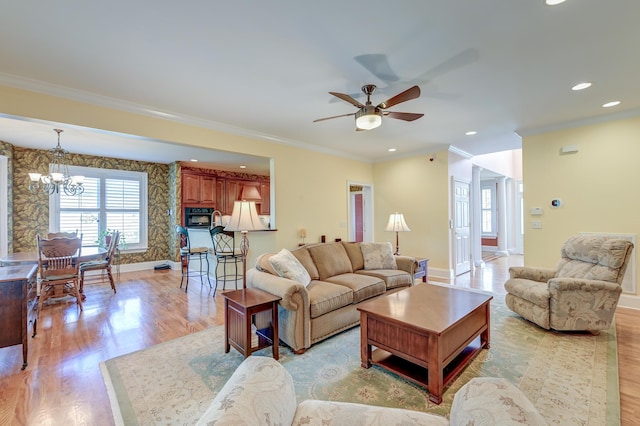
{"x":193,"y":160}
{"x":611,"y":104}
{"x":243,"y":167}
{"x":391,"y":150}
{"x":553,"y":2}
{"x":581,"y":86}
{"x":471,"y":133}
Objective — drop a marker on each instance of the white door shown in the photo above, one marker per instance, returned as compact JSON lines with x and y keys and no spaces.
{"x":462,"y":226}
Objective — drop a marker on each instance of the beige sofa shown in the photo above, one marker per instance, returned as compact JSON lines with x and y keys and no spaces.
{"x":323,"y":301}
{"x":261,"y":392}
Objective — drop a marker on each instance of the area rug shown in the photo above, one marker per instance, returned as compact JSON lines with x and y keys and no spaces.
{"x":571,"y":378}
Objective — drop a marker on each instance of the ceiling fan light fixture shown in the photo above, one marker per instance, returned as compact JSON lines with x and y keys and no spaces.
{"x":368,"y":118}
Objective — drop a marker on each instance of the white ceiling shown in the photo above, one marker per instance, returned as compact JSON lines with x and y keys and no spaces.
{"x":502,"y":68}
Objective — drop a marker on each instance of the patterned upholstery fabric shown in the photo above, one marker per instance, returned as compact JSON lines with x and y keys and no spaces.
{"x":492,"y":401}
{"x":259,"y":392}
{"x":288,"y":266}
{"x":582,"y":293}
{"x":378,"y":256}
{"x":312,"y":412}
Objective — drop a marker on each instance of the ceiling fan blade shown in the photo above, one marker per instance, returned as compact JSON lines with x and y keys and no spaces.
{"x":335,"y":116}
{"x":347,"y":98}
{"x":378,"y":65}
{"x":406,"y":116}
{"x":407,"y":95}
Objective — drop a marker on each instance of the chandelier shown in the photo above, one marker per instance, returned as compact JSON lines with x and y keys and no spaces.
{"x":58,"y":177}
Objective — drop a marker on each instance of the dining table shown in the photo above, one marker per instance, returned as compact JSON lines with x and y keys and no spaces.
{"x":31,"y":257}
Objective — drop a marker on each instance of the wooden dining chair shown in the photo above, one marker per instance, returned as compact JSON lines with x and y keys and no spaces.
{"x":102,"y":264}
{"x":59,"y":268}
{"x":51,"y":235}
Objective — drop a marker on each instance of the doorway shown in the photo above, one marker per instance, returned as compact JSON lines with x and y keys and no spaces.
{"x":461,"y":226}
{"x":360,"y":212}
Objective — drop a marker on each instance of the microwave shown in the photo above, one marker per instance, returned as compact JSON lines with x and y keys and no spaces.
{"x":197,"y":217}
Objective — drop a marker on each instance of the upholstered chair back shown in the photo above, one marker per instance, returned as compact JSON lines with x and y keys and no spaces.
{"x":594,"y":258}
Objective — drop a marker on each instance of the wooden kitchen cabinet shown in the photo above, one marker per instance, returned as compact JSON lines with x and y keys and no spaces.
{"x":198,"y":189}
{"x":18,"y":306}
{"x":265,"y":193}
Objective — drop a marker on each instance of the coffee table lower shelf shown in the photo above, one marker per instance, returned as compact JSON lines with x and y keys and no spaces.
{"x":419,"y":374}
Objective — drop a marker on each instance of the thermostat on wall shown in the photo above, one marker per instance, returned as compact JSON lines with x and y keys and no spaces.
{"x":535,"y":211}
{"x":556,"y":203}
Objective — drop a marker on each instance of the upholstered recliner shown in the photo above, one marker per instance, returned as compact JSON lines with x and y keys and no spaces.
{"x":581,"y":293}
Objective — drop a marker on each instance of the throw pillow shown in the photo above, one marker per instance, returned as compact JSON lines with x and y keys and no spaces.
{"x":287,"y":266}
{"x":378,"y":256}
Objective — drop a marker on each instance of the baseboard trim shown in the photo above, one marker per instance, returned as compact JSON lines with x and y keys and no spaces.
{"x":629,"y":301}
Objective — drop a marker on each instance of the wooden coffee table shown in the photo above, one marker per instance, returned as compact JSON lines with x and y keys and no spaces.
{"x":426,"y":333}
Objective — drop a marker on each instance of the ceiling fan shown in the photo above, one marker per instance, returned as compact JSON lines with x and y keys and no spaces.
{"x":369,"y":116}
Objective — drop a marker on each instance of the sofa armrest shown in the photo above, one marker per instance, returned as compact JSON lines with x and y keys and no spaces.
{"x":260,"y":391}
{"x":490,"y":401}
{"x":294,"y":315}
{"x":407,"y":263}
{"x":279,"y":286}
{"x":557,"y":285}
{"x":541,"y":275}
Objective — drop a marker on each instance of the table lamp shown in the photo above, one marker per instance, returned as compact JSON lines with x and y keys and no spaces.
{"x":397,"y":224}
{"x":244,"y":218}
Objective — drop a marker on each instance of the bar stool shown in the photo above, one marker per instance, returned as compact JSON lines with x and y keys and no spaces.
{"x":226,"y":254}
{"x":186,"y":253}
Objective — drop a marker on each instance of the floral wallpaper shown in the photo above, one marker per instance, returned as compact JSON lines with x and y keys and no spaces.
{"x":31,"y":211}
{"x":6,"y":150}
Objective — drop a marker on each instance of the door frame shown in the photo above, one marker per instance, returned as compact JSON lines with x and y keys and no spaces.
{"x":367,"y":211}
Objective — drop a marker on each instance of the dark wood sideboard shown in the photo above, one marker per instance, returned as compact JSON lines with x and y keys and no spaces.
{"x":18,"y":306}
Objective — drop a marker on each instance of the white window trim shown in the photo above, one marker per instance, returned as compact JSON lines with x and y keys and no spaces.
{"x":54,"y":200}
{"x":491,"y":185}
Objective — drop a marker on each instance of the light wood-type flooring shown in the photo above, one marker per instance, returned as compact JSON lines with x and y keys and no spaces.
{"x":63,"y":386}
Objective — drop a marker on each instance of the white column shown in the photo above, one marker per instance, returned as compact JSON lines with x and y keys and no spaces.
{"x":476,"y":219}
{"x":502,"y":217}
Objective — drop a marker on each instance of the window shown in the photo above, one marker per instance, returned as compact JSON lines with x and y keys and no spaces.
{"x":488,"y":203}
{"x":112,"y":199}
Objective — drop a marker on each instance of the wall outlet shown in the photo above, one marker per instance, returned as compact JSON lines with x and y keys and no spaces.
{"x":536,"y":224}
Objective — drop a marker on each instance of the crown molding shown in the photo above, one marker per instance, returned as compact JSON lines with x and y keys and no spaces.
{"x":579,"y":123}
{"x":118,"y":104}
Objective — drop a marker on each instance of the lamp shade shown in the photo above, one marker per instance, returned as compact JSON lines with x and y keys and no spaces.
{"x":396,"y":223}
{"x":250,"y":193}
{"x":244,"y":217}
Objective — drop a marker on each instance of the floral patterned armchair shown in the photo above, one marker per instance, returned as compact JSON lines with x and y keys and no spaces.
{"x":581,"y":293}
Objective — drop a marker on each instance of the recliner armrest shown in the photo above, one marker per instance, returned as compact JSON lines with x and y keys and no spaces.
{"x":541,"y":275}
{"x":557,"y":285}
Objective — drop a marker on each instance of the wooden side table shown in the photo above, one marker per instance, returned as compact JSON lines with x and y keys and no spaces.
{"x":240,"y":306}
{"x":422,"y":271}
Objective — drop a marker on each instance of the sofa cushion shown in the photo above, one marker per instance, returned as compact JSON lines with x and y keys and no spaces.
{"x":492,"y":401}
{"x":263,"y":264}
{"x":260,"y":391}
{"x":330,"y":259}
{"x":327,"y":297}
{"x":393,"y":278}
{"x":378,"y":256}
{"x":362,"y":286}
{"x":313,"y":412}
{"x":355,"y":255}
{"x":288,"y":266}
{"x":593,"y":257}
{"x":303,"y":255}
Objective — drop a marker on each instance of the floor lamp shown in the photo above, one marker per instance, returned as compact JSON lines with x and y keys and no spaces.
{"x":397,"y":224}
{"x":244,"y":218}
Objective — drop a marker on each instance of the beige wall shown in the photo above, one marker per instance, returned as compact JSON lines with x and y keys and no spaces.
{"x":310,"y":188}
{"x":416,"y":188}
{"x":598,"y":185}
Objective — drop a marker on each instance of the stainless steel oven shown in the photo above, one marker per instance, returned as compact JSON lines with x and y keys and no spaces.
{"x":197,"y":217}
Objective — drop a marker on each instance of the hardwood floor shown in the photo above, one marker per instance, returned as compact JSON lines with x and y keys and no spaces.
{"x":63,"y":386}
